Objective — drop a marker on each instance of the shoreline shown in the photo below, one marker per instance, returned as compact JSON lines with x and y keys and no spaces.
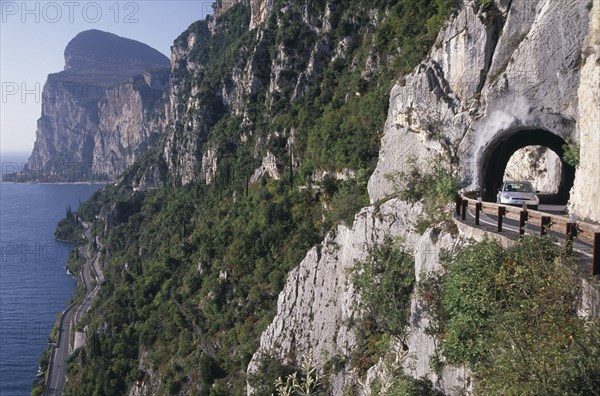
{"x":60,"y":183}
{"x":52,"y":381}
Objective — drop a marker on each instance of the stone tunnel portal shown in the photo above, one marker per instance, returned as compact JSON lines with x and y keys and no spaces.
{"x":499,"y":153}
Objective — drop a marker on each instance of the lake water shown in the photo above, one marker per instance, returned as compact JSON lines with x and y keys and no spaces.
{"x":34,"y":284}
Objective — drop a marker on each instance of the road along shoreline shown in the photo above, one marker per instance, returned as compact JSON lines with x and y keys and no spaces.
{"x":61,"y":350}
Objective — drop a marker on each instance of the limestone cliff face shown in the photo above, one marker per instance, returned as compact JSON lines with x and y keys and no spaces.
{"x":260,"y":11}
{"x":514,"y":71}
{"x":585,"y":199}
{"x":495,"y":75}
{"x":101,"y":112}
{"x":131,"y":118}
{"x":265,"y":64}
{"x":537,"y":164}
{"x":317,"y":309}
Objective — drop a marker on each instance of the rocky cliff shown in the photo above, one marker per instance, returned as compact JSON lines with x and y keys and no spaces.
{"x":507,"y":70}
{"x":101,"y":112}
{"x":277,"y":114}
{"x":275,"y":68}
{"x":539,"y":165}
{"x":489,"y":82}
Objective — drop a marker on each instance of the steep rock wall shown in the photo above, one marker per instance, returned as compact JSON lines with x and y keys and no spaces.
{"x":101,"y":112}
{"x":537,"y":164}
{"x":268,"y":69}
{"x":585,"y":199}
{"x":494,"y":71}
{"x":131,"y":118}
{"x":317,"y":310}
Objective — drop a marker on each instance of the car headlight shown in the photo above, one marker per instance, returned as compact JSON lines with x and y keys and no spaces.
{"x":505,"y":196}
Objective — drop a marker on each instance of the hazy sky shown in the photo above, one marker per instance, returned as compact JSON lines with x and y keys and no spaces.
{"x":34,"y":34}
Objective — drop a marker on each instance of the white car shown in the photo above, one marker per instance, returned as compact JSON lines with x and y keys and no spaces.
{"x":518,"y":193}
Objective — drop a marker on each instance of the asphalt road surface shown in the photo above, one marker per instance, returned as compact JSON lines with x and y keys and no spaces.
{"x":57,"y":369}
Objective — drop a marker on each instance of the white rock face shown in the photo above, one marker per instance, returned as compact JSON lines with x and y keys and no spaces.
{"x":539,"y":165}
{"x":260,"y":11}
{"x":268,"y":167}
{"x":585,"y":197}
{"x":491,"y":77}
{"x":415,"y":355}
{"x":317,"y":305}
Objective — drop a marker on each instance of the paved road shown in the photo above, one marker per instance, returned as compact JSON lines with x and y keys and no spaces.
{"x":57,"y":371}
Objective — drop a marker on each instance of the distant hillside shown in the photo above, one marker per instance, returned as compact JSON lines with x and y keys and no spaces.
{"x":101,"y":112}
{"x":107,"y":58}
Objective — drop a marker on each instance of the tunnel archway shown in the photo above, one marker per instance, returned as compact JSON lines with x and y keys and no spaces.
{"x":496,"y":158}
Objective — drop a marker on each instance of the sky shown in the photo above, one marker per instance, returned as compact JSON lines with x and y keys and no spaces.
{"x":34,"y":34}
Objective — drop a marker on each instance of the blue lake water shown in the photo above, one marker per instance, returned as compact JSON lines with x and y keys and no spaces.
{"x":34,"y":284}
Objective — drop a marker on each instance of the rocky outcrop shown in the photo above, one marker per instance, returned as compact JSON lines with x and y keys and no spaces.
{"x":585,"y":197}
{"x":268,"y":71}
{"x":260,"y":11}
{"x":268,"y":168}
{"x":537,"y":164}
{"x":317,"y":310}
{"x":101,"y":112}
{"x":498,"y":72}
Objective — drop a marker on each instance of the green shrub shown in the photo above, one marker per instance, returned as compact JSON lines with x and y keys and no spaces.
{"x":510,"y":315}
{"x":435,"y":187}
{"x":269,"y":369}
{"x":571,"y":153}
{"x":408,"y":386}
{"x":385,"y":283}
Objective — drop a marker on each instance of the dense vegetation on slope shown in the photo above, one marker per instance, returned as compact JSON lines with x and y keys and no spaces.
{"x":193,"y":271}
{"x":69,"y":228}
{"x":510,"y":315}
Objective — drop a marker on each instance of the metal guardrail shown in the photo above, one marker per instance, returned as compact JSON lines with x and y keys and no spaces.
{"x":587,"y":232}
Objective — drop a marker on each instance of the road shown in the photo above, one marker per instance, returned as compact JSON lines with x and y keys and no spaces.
{"x":582,"y":250}
{"x":57,"y":368}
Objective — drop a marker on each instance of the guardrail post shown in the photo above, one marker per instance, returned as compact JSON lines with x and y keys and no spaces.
{"x":523,"y":216}
{"x":478,"y":207}
{"x":463,"y":213}
{"x":570,"y":234}
{"x":501,"y":214}
{"x":545,"y":225}
{"x":458,"y":201}
{"x":596,"y":255}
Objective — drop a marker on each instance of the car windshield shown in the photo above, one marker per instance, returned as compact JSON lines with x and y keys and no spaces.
{"x":519,"y":187}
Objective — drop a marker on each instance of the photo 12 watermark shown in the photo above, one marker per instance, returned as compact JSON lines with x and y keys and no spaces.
{"x":31,"y":251}
{"x":86,"y":92}
{"x":69,"y":11}
{"x":58,"y":171}
{"x":24,"y":333}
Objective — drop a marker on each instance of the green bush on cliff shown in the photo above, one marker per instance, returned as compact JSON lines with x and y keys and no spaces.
{"x":571,"y":153}
{"x":385,"y":283}
{"x":510,"y":315}
{"x":434,"y":187}
{"x":69,"y":229}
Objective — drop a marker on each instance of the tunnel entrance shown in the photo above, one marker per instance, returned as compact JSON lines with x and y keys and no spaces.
{"x":499,"y":153}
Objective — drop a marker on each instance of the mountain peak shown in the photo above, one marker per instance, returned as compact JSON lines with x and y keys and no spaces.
{"x":96,"y":50}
